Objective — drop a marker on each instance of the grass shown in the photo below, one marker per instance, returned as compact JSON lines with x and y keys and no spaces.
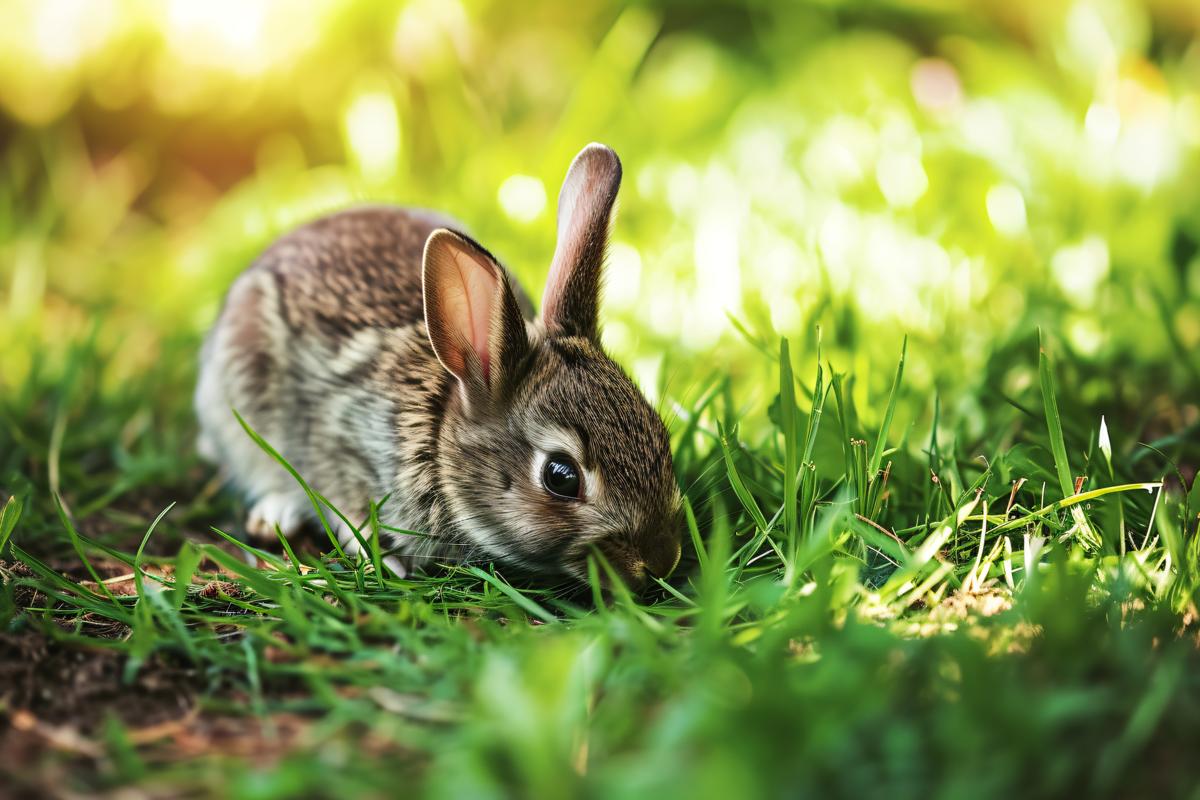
{"x":855,"y":618}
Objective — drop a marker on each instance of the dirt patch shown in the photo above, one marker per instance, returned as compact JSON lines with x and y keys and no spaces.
{"x":58,"y":683}
{"x":57,"y":698}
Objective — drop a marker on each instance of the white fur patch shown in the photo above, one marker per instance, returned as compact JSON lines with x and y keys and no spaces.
{"x":283,"y":509}
{"x":358,"y":350}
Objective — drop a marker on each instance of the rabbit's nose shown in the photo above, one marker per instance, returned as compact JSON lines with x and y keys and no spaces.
{"x":660,"y":560}
{"x":625,"y":561}
{"x":637,"y":578}
{"x":639,"y":563}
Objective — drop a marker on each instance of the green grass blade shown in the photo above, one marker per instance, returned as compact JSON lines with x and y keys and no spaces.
{"x":526,"y":604}
{"x":186,"y":562}
{"x":1058,"y":444}
{"x":739,"y":487}
{"x":312,"y":496}
{"x":137,"y":559}
{"x":77,"y":544}
{"x":844,"y":419}
{"x":694,"y":533}
{"x":1073,"y":501}
{"x":8,"y":521}
{"x":1054,"y":423}
{"x":787,"y":427}
{"x":885,"y":426}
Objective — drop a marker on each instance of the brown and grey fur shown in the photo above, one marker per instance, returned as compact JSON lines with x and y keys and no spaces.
{"x":386,"y":356}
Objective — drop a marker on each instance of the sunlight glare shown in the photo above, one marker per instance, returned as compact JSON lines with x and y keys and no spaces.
{"x":245,"y":37}
{"x":372,"y":130}
{"x":901,"y":178}
{"x":66,"y":31}
{"x":718,"y":272}
{"x":1080,"y":268}
{"x":1006,"y":209}
{"x":1103,"y":124}
{"x":935,"y":85}
{"x":623,"y":276}
{"x":523,"y":197}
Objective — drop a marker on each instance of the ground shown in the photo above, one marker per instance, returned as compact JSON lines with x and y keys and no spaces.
{"x":1002,"y":642}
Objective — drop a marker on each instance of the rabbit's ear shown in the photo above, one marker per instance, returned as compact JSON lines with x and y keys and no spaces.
{"x":472,"y":316}
{"x":571,"y":303}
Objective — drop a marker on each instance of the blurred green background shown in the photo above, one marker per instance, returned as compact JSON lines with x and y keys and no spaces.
{"x":961,"y":173}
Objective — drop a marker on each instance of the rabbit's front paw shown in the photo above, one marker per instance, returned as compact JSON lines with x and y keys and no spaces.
{"x":285,"y":511}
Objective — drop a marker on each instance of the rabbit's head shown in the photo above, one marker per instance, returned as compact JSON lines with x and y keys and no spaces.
{"x":548,"y":450}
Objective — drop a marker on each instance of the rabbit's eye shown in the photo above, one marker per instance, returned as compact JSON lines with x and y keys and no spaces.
{"x":560,"y":476}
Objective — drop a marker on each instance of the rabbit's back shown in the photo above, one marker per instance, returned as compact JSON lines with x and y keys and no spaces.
{"x":321,"y":348}
{"x":298,"y":351}
{"x":353,"y":270}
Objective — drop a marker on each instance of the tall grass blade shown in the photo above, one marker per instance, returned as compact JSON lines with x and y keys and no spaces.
{"x":1058,"y":444}
{"x":881,"y":440}
{"x":739,"y":487}
{"x":8,"y":521}
{"x":787,"y":427}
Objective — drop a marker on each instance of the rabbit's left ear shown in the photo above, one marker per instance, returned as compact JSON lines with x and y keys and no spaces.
{"x":472,"y":317}
{"x":570,"y":305}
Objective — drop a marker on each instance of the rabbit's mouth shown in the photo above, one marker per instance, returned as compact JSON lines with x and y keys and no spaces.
{"x":637,"y":561}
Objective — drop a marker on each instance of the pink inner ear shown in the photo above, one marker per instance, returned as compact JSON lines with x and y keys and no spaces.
{"x":468,"y":303}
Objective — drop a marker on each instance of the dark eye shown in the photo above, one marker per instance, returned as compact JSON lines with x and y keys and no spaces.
{"x":560,"y":476}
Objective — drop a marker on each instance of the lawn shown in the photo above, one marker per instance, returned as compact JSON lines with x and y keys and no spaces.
{"x":916,"y":288}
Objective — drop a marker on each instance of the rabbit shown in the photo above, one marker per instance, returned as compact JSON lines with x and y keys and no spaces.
{"x":389,"y":357}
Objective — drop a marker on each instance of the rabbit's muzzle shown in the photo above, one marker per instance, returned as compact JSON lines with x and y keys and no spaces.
{"x":642,"y":559}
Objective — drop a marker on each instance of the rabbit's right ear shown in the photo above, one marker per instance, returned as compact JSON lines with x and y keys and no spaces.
{"x":472,"y":316}
{"x":571,"y":303}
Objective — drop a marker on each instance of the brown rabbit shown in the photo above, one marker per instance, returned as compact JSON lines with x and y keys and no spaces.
{"x":389,"y":357}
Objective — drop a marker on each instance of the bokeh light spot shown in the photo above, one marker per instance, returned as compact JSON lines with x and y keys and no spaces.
{"x":1079,"y":269}
{"x":523,"y":197}
{"x":623,"y":276}
{"x":372,"y":130}
{"x":67,"y":30}
{"x":1006,"y":209}
{"x":935,"y":85}
{"x":901,"y":178}
{"x":1103,"y":124}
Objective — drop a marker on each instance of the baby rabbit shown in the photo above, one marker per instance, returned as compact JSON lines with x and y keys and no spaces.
{"x":385,"y":354}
